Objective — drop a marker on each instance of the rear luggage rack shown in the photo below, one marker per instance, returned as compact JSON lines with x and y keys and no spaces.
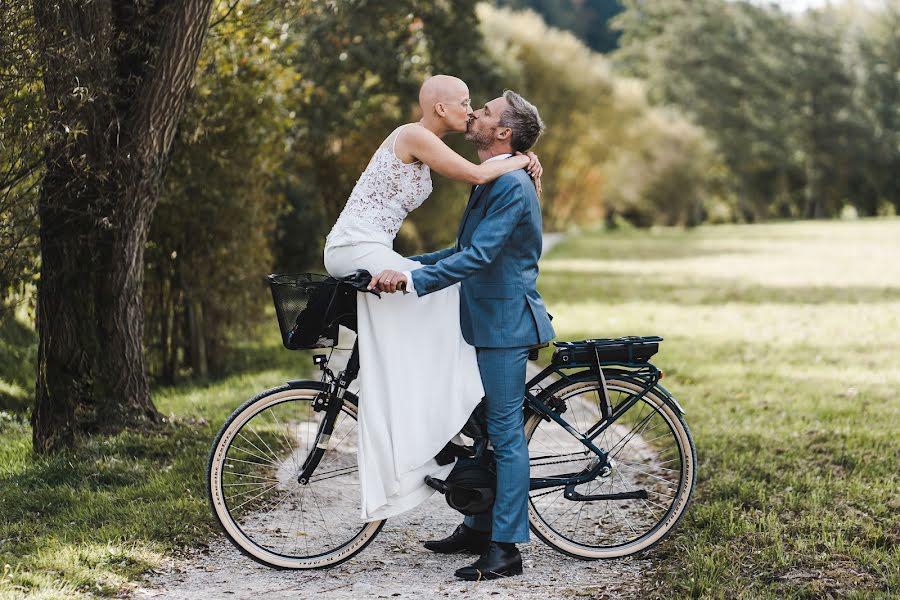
{"x":626,"y":350}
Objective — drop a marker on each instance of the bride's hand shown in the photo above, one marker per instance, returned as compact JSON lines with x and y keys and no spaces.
{"x":389,"y":281}
{"x":534,"y":169}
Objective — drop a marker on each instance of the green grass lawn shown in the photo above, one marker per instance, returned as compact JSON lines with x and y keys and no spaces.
{"x":782,"y":343}
{"x":89,"y":522}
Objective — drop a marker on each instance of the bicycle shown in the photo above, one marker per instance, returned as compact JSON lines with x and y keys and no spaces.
{"x":613,"y":464}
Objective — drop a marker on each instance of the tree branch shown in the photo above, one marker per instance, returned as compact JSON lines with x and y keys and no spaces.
{"x":225,"y":16}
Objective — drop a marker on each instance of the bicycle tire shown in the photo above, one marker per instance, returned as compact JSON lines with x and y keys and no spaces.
{"x":303,"y":392}
{"x":572,"y":387}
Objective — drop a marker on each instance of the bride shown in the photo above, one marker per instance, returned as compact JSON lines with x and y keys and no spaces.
{"x":419,"y":379}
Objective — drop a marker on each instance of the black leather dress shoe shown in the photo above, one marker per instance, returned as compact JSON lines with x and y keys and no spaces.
{"x":493,"y":564}
{"x":463,"y":539}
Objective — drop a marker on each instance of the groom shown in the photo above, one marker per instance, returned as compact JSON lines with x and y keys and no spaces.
{"x":502,"y":315}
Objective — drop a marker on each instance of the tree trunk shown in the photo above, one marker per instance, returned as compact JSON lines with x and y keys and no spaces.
{"x":115,"y":76}
{"x":197,"y":338}
{"x":167,"y":320}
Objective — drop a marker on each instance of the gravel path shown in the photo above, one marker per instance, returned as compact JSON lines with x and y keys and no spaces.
{"x":394,"y":565}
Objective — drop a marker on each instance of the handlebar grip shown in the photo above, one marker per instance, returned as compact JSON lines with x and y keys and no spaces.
{"x":401,"y":286}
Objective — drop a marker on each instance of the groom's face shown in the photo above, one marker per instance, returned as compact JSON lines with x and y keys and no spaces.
{"x":484,"y":126}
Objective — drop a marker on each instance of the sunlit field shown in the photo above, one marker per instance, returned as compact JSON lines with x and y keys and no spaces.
{"x":783,"y":344}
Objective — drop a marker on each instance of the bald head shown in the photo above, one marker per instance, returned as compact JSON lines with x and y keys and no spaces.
{"x":442,"y":89}
{"x":445,"y":103}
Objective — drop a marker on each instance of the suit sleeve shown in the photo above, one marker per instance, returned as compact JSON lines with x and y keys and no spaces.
{"x":506,"y":208}
{"x":433,"y":257}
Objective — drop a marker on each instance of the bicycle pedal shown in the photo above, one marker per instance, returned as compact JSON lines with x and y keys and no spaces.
{"x":557,"y":404}
{"x":436,"y":484}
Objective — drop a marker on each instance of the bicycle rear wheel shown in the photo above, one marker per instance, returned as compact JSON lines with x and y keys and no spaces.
{"x":253,"y":487}
{"x":651,"y":452}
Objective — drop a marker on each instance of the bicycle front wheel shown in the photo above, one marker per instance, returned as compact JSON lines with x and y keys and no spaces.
{"x":646,"y":486}
{"x":254,"y":488}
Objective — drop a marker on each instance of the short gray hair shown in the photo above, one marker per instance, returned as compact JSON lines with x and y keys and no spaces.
{"x":522,"y":117}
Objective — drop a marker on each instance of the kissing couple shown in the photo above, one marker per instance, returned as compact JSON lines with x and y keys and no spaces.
{"x":462,"y":329}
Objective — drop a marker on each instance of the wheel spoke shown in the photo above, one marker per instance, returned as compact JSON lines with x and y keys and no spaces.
{"x":639,"y":443}
{"x":263,"y":498}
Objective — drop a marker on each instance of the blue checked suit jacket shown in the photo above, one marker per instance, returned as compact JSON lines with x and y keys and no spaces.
{"x":496,"y":259}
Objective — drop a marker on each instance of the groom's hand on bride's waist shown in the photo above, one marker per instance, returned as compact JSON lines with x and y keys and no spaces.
{"x":389,"y":281}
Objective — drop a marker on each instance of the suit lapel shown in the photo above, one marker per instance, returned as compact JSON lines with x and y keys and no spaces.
{"x":477,"y":192}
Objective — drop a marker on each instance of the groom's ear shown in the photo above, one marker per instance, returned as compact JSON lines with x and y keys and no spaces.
{"x":503,"y":133}
{"x":440,"y":110}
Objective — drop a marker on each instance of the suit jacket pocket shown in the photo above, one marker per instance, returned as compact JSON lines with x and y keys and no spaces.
{"x":494,"y":290}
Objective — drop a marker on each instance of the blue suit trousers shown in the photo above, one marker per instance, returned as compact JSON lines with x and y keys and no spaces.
{"x":503,"y":376}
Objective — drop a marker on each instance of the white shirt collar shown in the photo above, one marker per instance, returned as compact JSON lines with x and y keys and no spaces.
{"x":498,"y":157}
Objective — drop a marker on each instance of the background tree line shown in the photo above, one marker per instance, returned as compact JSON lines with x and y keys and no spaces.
{"x":669,"y":112}
{"x":804,"y":110}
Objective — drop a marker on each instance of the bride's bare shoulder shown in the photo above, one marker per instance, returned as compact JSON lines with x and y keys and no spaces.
{"x":409,"y":139}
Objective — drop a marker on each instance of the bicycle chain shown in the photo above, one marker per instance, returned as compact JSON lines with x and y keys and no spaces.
{"x":559,"y":462}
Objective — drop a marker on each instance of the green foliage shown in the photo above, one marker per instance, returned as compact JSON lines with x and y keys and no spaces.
{"x":797,"y":105}
{"x":211,"y":240}
{"x":589,"y":20}
{"x":879,"y":54}
{"x":605,"y":151}
{"x":18,"y":359}
{"x":22,"y":136}
{"x":21,"y":145}
{"x":790,"y":116}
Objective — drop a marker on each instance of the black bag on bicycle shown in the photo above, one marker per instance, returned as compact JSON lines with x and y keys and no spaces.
{"x":329,"y":305}
{"x":310,"y":307}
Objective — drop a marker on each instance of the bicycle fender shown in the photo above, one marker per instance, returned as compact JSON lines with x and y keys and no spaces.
{"x":662,"y":392}
{"x":303,"y":383}
{"x":669,"y":398}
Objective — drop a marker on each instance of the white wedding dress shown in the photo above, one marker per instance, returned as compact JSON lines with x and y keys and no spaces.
{"x":419,"y":379}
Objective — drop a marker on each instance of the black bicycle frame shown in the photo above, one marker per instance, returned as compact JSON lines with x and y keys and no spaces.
{"x":645,"y":373}
{"x":331,"y":401}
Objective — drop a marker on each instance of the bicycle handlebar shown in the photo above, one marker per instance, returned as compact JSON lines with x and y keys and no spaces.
{"x":361,"y":279}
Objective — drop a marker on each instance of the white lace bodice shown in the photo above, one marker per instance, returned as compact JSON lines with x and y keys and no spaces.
{"x":384,"y":194}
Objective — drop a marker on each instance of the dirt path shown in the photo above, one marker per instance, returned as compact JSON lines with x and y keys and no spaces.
{"x":394,"y":565}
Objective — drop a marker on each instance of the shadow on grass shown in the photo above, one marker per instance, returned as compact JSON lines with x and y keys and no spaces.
{"x":108,"y":489}
{"x":663,"y":247}
{"x":557,"y":286}
{"x":96,"y":517}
